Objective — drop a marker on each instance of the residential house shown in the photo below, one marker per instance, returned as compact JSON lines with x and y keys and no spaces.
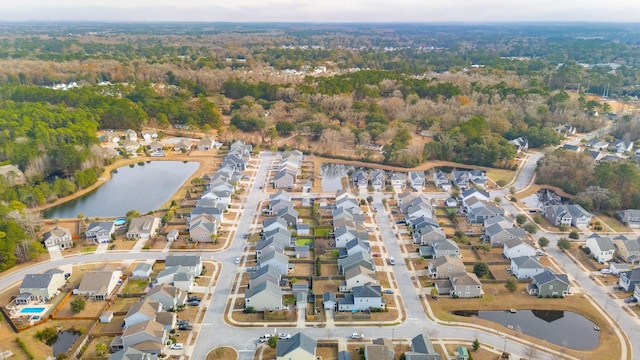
{"x":569,"y":215}
{"x":203,"y":228}
{"x":42,"y":286}
{"x":630,"y":280}
{"x":636,"y":293}
{"x":273,"y":244}
{"x":549,"y":284}
{"x":398,"y":181}
{"x":205,"y":209}
{"x":525,"y":267}
{"x":594,"y":154}
{"x":149,"y":135}
{"x":183,"y":145}
{"x":284,"y":179}
{"x":169,"y":296}
{"x":627,"y":249}
{"x":289,"y":215}
{"x":156,"y":147}
{"x":463,"y":285}
{"x":306,"y":187}
{"x":144,"y":310}
{"x":355,"y":246}
{"x":484,"y":211}
{"x":378,"y":179}
{"x":57,"y":238}
{"x":379,"y":349}
{"x":178,"y":276}
{"x":597,"y":144}
{"x":278,"y":260}
{"x":329,"y":301}
{"x":622,"y":146}
{"x":348,"y":203}
{"x":521,"y":144}
{"x":629,"y":217}
{"x":264,"y":296}
{"x":282,"y":235}
{"x":193,"y":263}
{"x":265,"y":273}
{"x":422,"y":345}
{"x":358,"y":276}
{"x":131,"y":146}
{"x":303,"y":229}
{"x":570,"y":147}
{"x":273,"y":223}
{"x":417,"y":180}
{"x":100,"y":231}
{"x":460,"y":179}
{"x":499,"y":235}
{"x":143,"y":227}
{"x":443,"y":267}
{"x":99,"y":284}
{"x":516,"y":248}
{"x":276,"y":205}
{"x":478,"y":178}
{"x":142,"y":271}
{"x":602,"y":248}
{"x":451,"y":203}
{"x":360,"y":179}
{"x":442,"y":181}
{"x":280,"y":195}
{"x":479,"y":195}
{"x":150,"y":334}
{"x":130,"y":135}
{"x":298,"y":347}
{"x":440,"y":247}
{"x":206,"y":144}
{"x":565,"y":129}
{"x":362,"y":298}
{"x":357,"y":259}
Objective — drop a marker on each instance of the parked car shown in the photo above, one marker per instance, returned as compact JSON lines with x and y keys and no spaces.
{"x":236,"y":261}
{"x":630,"y":300}
{"x":387,"y":291}
{"x":375,"y":254}
{"x":177,"y":346}
{"x":264,"y":338}
{"x":193,"y":303}
{"x":357,"y":335}
{"x":618,"y":288}
{"x":185,"y":327}
{"x":401,"y":222}
{"x":392,"y":261}
{"x":605,"y":271}
{"x":194,"y":298}
{"x":251,"y":269}
{"x":183,"y":322}
{"x":284,"y":336}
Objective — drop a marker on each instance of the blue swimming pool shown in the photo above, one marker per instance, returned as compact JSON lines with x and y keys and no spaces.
{"x":32,"y":310}
{"x":120,"y":221}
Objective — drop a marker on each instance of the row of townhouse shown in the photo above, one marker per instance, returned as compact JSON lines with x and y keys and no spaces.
{"x":378,"y":179}
{"x":462,"y":179}
{"x":288,"y":171}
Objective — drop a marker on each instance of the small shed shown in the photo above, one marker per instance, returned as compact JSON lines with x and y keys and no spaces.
{"x":302,"y":251}
{"x":106,"y":316}
{"x":303,"y":229}
{"x":463,"y":353}
{"x":173,"y":235}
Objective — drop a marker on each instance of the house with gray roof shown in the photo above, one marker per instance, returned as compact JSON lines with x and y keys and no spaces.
{"x":362,"y":298}
{"x":132,"y":354}
{"x":100,"y":231}
{"x":358,"y":276}
{"x":360,"y":179}
{"x":629,"y":217}
{"x":298,"y":347}
{"x":142,"y":271}
{"x":441,"y":180}
{"x":428,"y":234}
{"x":278,"y":204}
{"x":477,"y":215}
{"x":525,"y":267}
{"x":264,"y":296}
{"x":398,"y":180}
{"x":143,"y":227}
{"x":329,"y":301}
{"x":279,"y":234}
{"x":289,"y":215}
{"x":549,"y":284}
{"x":622,"y":146}
{"x":379,"y":349}
{"x":516,"y":248}
{"x":98,"y":285}
{"x":265,"y":273}
{"x":627,"y":249}
{"x":377,"y":179}
{"x":630,"y":280}
{"x":169,"y":296}
{"x":417,"y":180}
{"x":357,"y":259}
{"x":42,"y":286}
{"x":570,"y":147}
{"x":147,"y":336}
{"x":355,"y":246}
{"x":144,"y":310}
{"x":602,"y":248}
{"x":273,"y":244}
{"x":57,"y":238}
{"x":498,"y":235}
{"x":278,"y":260}
{"x":422,"y":345}
{"x":463,"y":285}
{"x":192,"y":262}
{"x":570,"y":215}
{"x":284,"y":179}
{"x":273,"y":223}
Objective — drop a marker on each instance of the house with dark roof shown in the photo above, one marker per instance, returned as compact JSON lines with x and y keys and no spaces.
{"x":358,"y":276}
{"x":360,"y":179}
{"x":521,"y":144}
{"x":298,"y":347}
{"x":329,"y":301}
{"x":169,"y":296}
{"x":629,"y":217}
{"x":100,"y":231}
{"x":289,"y":215}
{"x":191,"y":262}
{"x":265,"y":273}
{"x":357,"y":259}
{"x":132,"y":354}
{"x":142,"y":271}
{"x":379,"y":349}
{"x":143,"y":227}
{"x":441,"y":180}
{"x":276,"y":259}
{"x":398,"y":180}
{"x":417,"y":180}
{"x":98,"y":285}
{"x":570,"y":147}
{"x":422,"y":345}
{"x":42,"y":286}
{"x":630,"y":280}
{"x":549,"y":284}
{"x":377,"y":179}
{"x":569,"y":215}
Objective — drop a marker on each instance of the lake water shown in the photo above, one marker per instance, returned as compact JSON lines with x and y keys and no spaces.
{"x":332,"y":175}
{"x":142,"y":187}
{"x":63,"y":341}
{"x":563,"y":328}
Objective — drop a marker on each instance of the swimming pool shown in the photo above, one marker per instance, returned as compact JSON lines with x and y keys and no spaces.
{"x":120,"y":221}
{"x":32,"y":310}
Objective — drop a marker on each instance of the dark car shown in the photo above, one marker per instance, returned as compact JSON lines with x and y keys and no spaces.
{"x":630,"y":300}
{"x":185,"y":327}
{"x":194,"y":298}
{"x":401,"y":222}
{"x":193,"y":303}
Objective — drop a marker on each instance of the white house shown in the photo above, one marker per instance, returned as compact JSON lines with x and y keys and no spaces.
{"x":602,"y":248}
{"x":362,"y":298}
{"x":516,"y":248}
{"x":525,"y":267}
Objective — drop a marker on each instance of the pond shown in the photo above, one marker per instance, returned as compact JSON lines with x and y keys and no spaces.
{"x":332,"y":175}
{"x":563,"y":328}
{"x":142,"y":187}
{"x":62,"y":342}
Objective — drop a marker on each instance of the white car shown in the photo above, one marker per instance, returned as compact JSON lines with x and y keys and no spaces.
{"x":177,"y":346}
{"x":605,"y":271}
{"x":237,"y":260}
{"x":284,"y":336}
{"x":357,"y":335}
{"x":392,"y":261}
{"x":264,"y":338}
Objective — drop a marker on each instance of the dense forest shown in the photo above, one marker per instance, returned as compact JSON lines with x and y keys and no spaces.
{"x":422,"y":92}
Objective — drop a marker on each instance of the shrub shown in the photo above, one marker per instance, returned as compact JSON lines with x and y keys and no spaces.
{"x":78,"y":304}
{"x":564,"y":244}
{"x":511,"y":284}
{"x":480,"y":269}
{"x":574,"y":235}
{"x":521,"y":219}
{"x":531,"y":228}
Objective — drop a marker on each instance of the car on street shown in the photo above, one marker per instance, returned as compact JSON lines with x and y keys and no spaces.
{"x":264,"y":338}
{"x":605,"y":271}
{"x":630,"y":300}
{"x":392,"y":261}
{"x":357,"y":335}
{"x":236,"y":261}
{"x":177,"y":346}
{"x":284,"y":336}
{"x":401,"y":222}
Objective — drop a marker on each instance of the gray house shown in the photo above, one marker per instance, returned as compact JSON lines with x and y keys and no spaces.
{"x":629,"y":280}
{"x":298,"y":347}
{"x":570,"y":215}
{"x":548,"y":284}
{"x":264,"y":296}
{"x":422,"y":345}
{"x":630,"y":217}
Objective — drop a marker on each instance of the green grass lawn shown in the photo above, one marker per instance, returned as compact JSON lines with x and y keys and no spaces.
{"x":322,"y":232}
{"x":304,"y":241}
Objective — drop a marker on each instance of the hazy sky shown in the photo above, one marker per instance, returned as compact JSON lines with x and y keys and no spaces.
{"x":322,"y":10}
